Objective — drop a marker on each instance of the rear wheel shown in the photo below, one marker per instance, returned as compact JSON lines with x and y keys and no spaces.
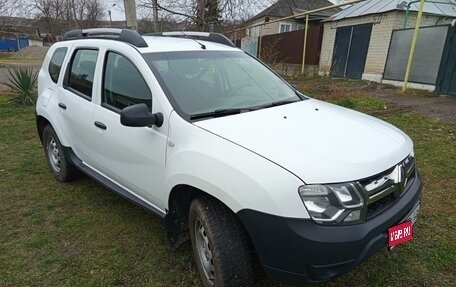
{"x":62,"y":169}
{"x":220,"y":245}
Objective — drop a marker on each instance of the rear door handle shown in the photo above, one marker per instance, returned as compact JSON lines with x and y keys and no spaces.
{"x":100,"y":125}
{"x":62,"y":105}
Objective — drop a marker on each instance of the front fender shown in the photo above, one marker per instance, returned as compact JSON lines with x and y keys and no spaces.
{"x":234,"y":175}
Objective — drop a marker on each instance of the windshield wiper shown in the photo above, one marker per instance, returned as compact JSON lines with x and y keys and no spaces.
{"x":278,"y":103}
{"x":233,"y":111}
{"x":220,"y":113}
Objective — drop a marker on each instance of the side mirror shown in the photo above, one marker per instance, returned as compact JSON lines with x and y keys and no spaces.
{"x":139,"y":116}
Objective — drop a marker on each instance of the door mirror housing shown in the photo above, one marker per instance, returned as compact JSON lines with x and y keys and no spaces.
{"x":139,"y":116}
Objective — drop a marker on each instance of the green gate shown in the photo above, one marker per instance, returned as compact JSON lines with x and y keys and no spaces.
{"x":350,"y":50}
{"x":446,"y":80}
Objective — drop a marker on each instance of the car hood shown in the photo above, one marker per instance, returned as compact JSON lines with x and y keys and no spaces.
{"x":316,"y":141}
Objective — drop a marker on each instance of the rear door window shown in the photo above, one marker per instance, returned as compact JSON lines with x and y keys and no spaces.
{"x":82,"y":72}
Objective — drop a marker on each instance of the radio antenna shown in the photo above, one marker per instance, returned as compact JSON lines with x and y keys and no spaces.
{"x":188,"y":37}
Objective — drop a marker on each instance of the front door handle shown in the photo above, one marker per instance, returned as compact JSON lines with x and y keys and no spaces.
{"x":62,"y":106}
{"x":100,"y":125}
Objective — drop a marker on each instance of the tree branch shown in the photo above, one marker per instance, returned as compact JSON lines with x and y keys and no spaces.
{"x":176,"y":13}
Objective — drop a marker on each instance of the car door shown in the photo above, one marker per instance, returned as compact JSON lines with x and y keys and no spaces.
{"x":75,"y":99}
{"x":134,"y":157}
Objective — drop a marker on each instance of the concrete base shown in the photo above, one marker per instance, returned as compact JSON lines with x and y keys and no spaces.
{"x":378,"y":78}
{"x":372,"y":77}
{"x":323,"y":73}
{"x":425,"y":87}
{"x":292,"y":70}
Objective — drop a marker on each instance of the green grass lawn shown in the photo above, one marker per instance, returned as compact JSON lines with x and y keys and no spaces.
{"x":80,"y":234}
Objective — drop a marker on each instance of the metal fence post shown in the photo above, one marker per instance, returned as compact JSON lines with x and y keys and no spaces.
{"x":305,"y":45}
{"x":412,"y":48}
{"x":259,"y":42}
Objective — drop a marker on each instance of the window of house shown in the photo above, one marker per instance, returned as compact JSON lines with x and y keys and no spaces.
{"x":82,"y":71}
{"x":123,"y":84}
{"x":55,"y":64}
{"x":284,"y":27}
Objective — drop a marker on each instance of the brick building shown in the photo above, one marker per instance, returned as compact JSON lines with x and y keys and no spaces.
{"x":356,"y":41}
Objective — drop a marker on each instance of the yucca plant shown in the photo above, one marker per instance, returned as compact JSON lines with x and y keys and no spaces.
{"x":22,"y":84}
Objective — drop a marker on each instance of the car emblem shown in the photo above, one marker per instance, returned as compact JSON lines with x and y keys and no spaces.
{"x":399,"y":179}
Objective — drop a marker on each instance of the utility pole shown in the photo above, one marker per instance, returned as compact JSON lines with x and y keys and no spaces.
{"x":155,"y":12}
{"x":130,"y":14}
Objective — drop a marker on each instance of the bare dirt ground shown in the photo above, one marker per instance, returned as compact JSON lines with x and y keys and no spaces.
{"x":423,"y":102}
{"x":29,"y":57}
{"x":438,"y":107}
{"x":4,"y":70}
{"x":31,"y":52}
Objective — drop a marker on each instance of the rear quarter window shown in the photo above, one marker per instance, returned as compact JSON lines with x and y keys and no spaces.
{"x":55,"y":65}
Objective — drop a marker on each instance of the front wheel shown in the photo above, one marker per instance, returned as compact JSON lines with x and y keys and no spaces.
{"x":220,"y":245}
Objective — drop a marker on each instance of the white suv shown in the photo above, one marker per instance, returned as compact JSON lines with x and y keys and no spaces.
{"x":230,"y":155}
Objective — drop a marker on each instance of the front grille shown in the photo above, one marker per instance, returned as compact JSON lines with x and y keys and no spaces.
{"x":375,"y":208}
{"x":384,"y":189}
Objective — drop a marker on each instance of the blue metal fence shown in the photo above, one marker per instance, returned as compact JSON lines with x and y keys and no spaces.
{"x":13,"y":43}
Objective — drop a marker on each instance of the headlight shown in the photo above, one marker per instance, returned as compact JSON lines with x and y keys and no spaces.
{"x":333,"y":203}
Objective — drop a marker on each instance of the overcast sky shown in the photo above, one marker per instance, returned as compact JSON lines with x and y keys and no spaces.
{"x":117,"y":13}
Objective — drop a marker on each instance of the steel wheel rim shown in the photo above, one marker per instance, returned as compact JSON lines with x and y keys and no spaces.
{"x":53,"y":154}
{"x":203,"y":251}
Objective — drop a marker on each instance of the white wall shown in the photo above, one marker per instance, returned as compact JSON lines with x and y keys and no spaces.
{"x":35,"y":43}
{"x":273,"y":28}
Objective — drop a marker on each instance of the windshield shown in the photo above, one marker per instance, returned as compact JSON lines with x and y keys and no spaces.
{"x":209,"y":81}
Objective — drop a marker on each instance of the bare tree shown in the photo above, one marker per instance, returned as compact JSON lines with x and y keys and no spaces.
{"x":8,"y":8}
{"x":204,"y":14}
{"x":95,"y":12}
{"x":87,"y":13}
{"x":51,"y":11}
{"x":62,"y":15}
{"x":11,"y":8}
{"x":168,"y":23}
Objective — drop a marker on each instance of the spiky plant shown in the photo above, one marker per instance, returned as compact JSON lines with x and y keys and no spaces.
{"x":22,"y":84}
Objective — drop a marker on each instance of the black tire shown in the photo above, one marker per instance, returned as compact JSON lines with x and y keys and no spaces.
{"x":226,"y":243}
{"x":59,"y":165}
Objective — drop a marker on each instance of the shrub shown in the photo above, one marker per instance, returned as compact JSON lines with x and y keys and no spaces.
{"x":22,"y":84}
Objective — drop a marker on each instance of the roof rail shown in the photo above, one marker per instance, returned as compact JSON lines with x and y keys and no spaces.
{"x":123,"y":35}
{"x":206,"y":36}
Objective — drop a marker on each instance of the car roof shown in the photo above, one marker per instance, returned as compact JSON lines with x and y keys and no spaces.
{"x":153,"y":42}
{"x":159,"y":44}
{"x":173,"y":44}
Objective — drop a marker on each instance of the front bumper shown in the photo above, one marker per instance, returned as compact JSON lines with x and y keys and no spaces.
{"x":298,"y":250}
